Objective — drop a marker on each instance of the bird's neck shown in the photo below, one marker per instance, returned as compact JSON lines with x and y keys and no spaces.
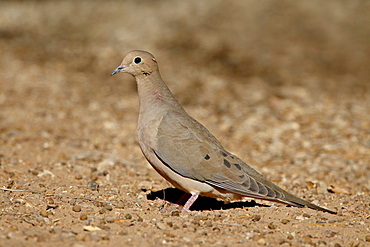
{"x":155,"y":96}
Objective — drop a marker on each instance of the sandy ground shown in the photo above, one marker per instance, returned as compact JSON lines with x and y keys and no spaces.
{"x":285,"y":85}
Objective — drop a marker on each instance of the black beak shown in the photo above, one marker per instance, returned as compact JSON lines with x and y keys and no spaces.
{"x":119,"y":69}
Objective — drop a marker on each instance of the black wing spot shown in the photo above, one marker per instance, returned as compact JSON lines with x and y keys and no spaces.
{"x":238,"y":166}
{"x":241,"y":176}
{"x":223,"y":153}
{"x":207,"y":157}
{"x":227,"y":163}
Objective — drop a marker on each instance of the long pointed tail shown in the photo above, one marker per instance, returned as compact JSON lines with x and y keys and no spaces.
{"x":293,"y":200}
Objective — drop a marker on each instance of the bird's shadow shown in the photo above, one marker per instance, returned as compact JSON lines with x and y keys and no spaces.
{"x":173,"y":195}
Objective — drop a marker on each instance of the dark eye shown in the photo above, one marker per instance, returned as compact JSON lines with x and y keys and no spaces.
{"x":137,"y":60}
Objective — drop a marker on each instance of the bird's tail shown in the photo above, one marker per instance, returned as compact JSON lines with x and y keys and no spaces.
{"x":293,"y":200}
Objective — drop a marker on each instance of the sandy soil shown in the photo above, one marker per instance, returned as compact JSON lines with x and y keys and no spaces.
{"x":285,"y":85}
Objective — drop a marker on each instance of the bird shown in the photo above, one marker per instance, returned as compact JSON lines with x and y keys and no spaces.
{"x":184,"y":152}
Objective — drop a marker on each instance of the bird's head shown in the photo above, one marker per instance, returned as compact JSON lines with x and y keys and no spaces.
{"x":137,"y":63}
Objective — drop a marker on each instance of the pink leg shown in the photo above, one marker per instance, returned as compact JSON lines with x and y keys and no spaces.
{"x":190,"y":202}
{"x":183,"y":198}
{"x":179,"y":202}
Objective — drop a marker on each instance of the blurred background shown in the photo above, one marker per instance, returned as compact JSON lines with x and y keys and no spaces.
{"x":285,"y":85}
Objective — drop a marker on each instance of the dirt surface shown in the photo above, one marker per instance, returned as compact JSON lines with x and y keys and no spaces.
{"x":285,"y":85}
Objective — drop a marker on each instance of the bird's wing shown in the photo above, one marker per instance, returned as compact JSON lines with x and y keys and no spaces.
{"x":190,"y":150}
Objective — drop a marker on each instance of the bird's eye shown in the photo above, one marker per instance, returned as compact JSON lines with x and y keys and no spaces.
{"x":137,"y":60}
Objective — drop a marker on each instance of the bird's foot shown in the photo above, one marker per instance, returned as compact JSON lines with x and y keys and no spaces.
{"x":190,"y":202}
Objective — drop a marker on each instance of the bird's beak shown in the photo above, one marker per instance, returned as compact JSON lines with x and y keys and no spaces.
{"x":119,"y":69}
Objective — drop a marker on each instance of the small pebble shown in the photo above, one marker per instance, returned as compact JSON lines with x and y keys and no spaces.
{"x":128,"y":216}
{"x":92,"y":185}
{"x":35,"y":173}
{"x":175,"y":213}
{"x":108,"y":207}
{"x":83,"y":217}
{"x":216,"y":229}
{"x":306,"y":215}
{"x":271,"y":226}
{"x":285,"y":221}
{"x":50,"y":200}
{"x":161,"y":226}
{"x":261,"y":241}
{"x":256,"y":217}
{"x":94,"y":177}
{"x":43,"y":213}
{"x":76,"y":208}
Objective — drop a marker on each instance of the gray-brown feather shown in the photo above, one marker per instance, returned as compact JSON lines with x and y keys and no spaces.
{"x":192,"y":151}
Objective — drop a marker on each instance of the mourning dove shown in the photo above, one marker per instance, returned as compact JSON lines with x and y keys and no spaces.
{"x":184,"y":152}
